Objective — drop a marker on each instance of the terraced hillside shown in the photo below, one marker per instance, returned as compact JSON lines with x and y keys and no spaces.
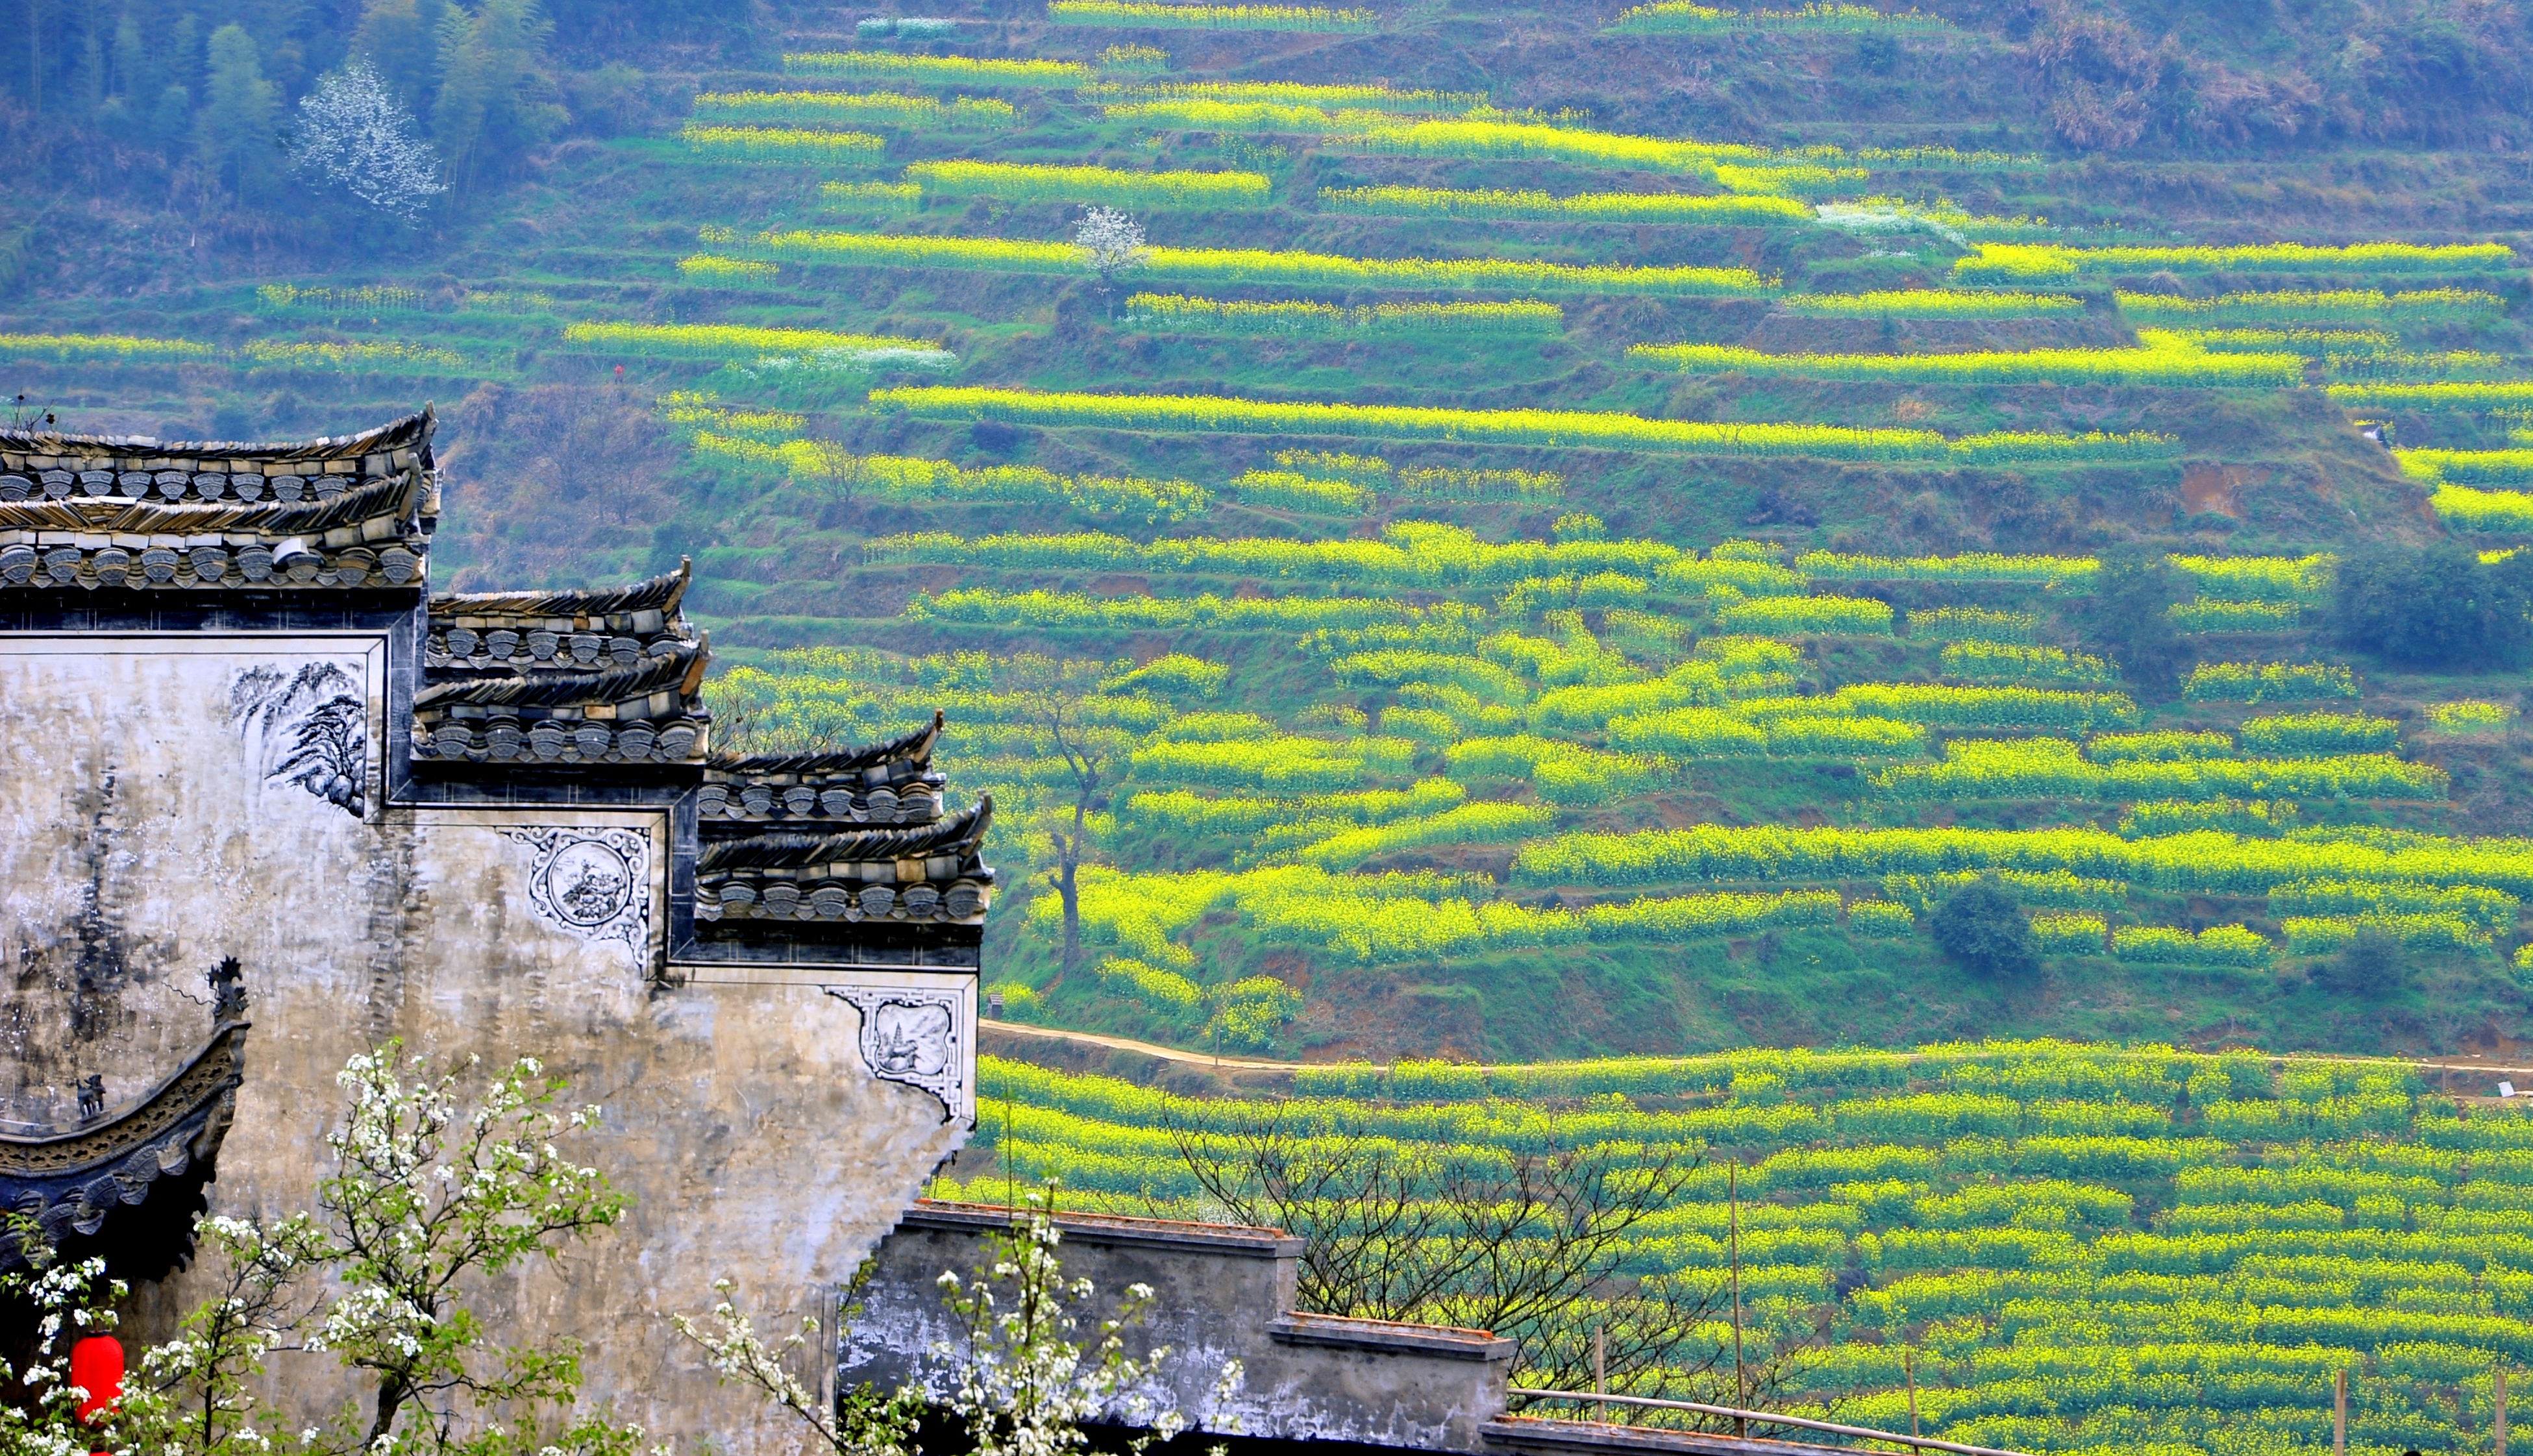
{"x":1456,"y":529}
{"x":2061,"y":1249}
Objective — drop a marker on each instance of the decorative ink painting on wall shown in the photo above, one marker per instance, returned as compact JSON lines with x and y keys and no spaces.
{"x":309,"y":728}
{"x":168,"y":804}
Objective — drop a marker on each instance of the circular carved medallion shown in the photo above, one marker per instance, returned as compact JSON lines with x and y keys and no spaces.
{"x":589,"y":882}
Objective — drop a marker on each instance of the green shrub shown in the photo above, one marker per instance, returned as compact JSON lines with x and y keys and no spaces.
{"x":1982,"y":927}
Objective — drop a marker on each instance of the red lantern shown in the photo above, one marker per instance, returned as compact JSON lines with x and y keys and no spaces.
{"x":96,"y":1367}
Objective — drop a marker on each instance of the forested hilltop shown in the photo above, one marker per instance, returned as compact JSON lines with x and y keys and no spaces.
{"x":1454,"y":528}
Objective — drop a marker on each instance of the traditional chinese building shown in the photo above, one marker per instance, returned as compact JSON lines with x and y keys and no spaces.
{"x":268,"y":803}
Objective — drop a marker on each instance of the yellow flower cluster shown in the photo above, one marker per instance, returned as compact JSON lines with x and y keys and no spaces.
{"x":2468,"y":717}
{"x":783,"y":143}
{"x":2478,"y":467}
{"x":1259,"y":265}
{"x":380,"y":296}
{"x":2022,"y":261}
{"x":2489,"y":512}
{"x":112,"y":348}
{"x":2163,"y":360}
{"x":2053,"y":769}
{"x":388,"y":358}
{"x":1472,"y":137}
{"x":705,"y":268}
{"x":2268,"y":682}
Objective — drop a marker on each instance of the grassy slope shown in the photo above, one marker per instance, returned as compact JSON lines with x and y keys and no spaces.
{"x":560,"y":476}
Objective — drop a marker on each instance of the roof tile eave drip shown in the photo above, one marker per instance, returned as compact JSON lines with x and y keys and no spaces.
{"x":395,"y":494}
{"x":961,"y":833}
{"x":549,"y":689}
{"x":915,"y":748}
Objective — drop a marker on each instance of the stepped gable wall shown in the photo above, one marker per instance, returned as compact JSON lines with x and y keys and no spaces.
{"x":256,"y":774}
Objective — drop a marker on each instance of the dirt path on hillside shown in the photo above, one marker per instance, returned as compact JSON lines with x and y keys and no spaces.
{"x":1128,"y":1044}
{"x":2441,"y":1069}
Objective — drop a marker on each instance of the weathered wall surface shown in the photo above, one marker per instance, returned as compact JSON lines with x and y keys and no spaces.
{"x":166,"y":802}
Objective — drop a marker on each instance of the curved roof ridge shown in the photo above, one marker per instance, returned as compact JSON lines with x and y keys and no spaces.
{"x":661,"y":592}
{"x":411,"y":430}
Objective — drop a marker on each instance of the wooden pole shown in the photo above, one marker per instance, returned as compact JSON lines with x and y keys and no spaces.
{"x":1732,"y":1216}
{"x":2339,"y":1413}
{"x":1601,"y":1371}
{"x":1908,"y":1373}
{"x":2498,"y":1401}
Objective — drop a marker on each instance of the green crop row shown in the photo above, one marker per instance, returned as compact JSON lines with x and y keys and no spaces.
{"x":1995,"y":662}
{"x":2364,"y":306}
{"x":1686,"y":18}
{"x":2054,"y":768}
{"x":2052,"y":262}
{"x":1591,"y":206}
{"x":1263,"y":266}
{"x":2489,"y":512}
{"x":2320,"y":935}
{"x":1295,"y":93}
{"x":1929,"y":302}
{"x":1608,"y":430}
{"x":1028,"y":183}
{"x":870,"y":108}
{"x":1411,"y":553}
{"x":2268,"y":682}
{"x":1182,"y":16}
{"x":2163,"y":359}
{"x":1972,"y":566}
{"x":783,"y":143}
{"x":2206,"y":862}
{"x":977,"y":606}
{"x":940,"y":70}
{"x":1181,"y":314}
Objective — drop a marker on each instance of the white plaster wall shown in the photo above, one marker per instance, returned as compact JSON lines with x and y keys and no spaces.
{"x":740,"y":1114}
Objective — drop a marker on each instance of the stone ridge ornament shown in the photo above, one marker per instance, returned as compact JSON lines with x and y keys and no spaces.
{"x":914,"y":1036}
{"x":591,"y":884}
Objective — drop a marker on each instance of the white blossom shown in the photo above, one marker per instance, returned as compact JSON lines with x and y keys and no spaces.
{"x":354,"y":132}
{"x":1110,"y":240}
